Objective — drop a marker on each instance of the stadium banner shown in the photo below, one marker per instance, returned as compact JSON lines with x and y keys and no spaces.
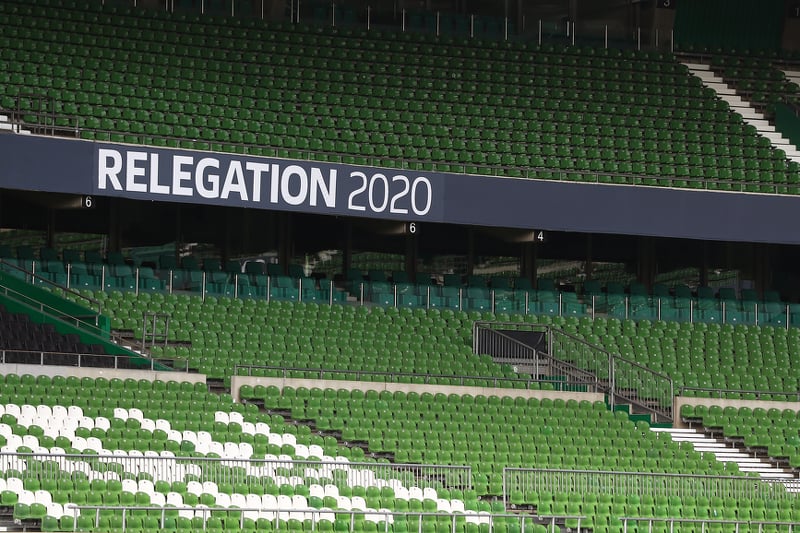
{"x":267,"y":183}
{"x":208,"y":178}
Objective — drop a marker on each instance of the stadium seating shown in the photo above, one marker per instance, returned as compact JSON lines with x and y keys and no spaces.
{"x":451,"y":104}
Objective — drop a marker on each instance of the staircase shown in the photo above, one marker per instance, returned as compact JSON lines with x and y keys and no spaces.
{"x":743,"y":108}
{"x":723,"y":451}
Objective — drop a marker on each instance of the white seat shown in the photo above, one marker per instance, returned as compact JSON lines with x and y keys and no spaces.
{"x":221,"y":416}
{"x":79,"y":443}
{"x":238,"y":418}
{"x":56,"y":510}
{"x":26,"y":496}
{"x":202,"y":448}
{"x":149,"y":424}
{"x":204,"y":436}
{"x":27,"y":411}
{"x":86,"y":422}
{"x":299,"y":502}
{"x":401,"y":493}
{"x":358,"y":502}
{"x":210,"y":487}
{"x":163,"y":425}
{"x":429,"y":493}
{"x":217,"y":448}
{"x":57,"y":450}
{"x":456,"y":506}
{"x":415,"y":493}
{"x":13,"y":409}
{"x":248,"y":428}
{"x":175,"y":436}
{"x":222,"y":499}
{"x":262,"y":428}
{"x":245,"y":450}
{"x":316,"y":490}
{"x":274,"y":438}
{"x":136,"y":414}
{"x":316,"y":450}
{"x":5,"y":430}
{"x":386,"y":517}
{"x":44,"y":411}
{"x":443,"y":505}
{"x":472,"y":517}
{"x":301,"y":450}
{"x":190,"y":436}
{"x":157,"y":498}
{"x":175,"y":498}
{"x":269,"y":501}
{"x":333,"y":490}
{"x":343,"y":502}
{"x":59,"y":412}
{"x":120,"y":413}
{"x":284,"y":507}
{"x":231,"y":450}
{"x":74,"y":411}
{"x":252,"y":500}
{"x":238,"y":500}
{"x":130,"y":485}
{"x":194,"y":487}
{"x":151,"y":453}
{"x":42,"y":496}
{"x":14,"y":484}
{"x":166,"y":453}
{"x":290,"y":439}
{"x":93,"y":443}
{"x":135,"y":453}
{"x":145,"y":485}
{"x":102,"y":422}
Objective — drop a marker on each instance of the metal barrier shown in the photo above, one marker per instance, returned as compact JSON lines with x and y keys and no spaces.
{"x":88,"y":360}
{"x":489,"y":339}
{"x":565,"y":355}
{"x":280,"y":517}
{"x":709,"y":524}
{"x":519,"y":482}
{"x":434,"y":379}
{"x":740,"y":394}
{"x":246,"y":473}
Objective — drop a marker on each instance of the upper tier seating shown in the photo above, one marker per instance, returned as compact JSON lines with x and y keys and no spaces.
{"x":405,"y":100}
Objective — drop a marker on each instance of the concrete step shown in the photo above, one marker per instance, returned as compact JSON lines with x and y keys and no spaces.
{"x":697,"y":66}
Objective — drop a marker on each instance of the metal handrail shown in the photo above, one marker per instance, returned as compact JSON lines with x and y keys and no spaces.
{"x":283,"y":514}
{"x":653,"y":484}
{"x":85,"y":360}
{"x":793,"y":396}
{"x":94,"y":304}
{"x":235,"y":471}
{"x":672,"y":520}
{"x":612,"y":360}
{"x":464,"y":380}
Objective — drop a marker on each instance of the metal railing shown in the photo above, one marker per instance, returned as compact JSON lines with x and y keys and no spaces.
{"x":709,"y":524}
{"x":88,"y":324}
{"x":579,"y":361}
{"x":490,"y":340}
{"x":243,"y":473}
{"x":89,"y":360}
{"x":521,"y":482}
{"x":435,"y":379}
{"x":741,"y":394}
{"x":280,"y":517}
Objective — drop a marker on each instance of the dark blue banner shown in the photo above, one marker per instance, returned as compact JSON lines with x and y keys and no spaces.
{"x":157,"y":174}
{"x":263,"y":183}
